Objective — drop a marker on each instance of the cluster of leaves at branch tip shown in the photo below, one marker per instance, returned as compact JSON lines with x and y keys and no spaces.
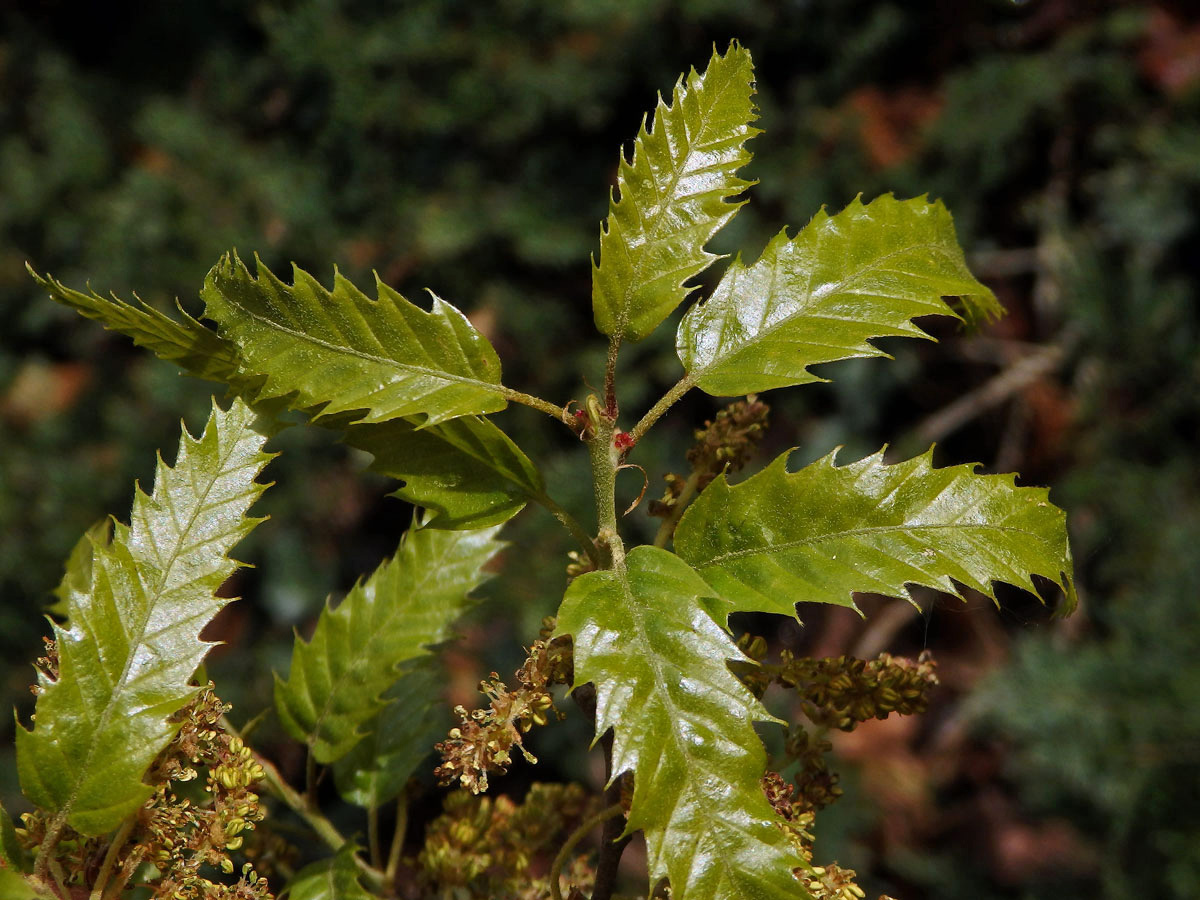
{"x":641,"y":634}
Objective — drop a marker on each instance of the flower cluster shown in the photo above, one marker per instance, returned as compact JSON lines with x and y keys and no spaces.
{"x":181,"y":835}
{"x":484,"y":739}
{"x":498,"y":850}
{"x":724,"y":444}
{"x":829,"y":882}
{"x":841,"y":691}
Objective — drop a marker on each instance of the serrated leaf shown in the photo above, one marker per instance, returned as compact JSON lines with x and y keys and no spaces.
{"x":337,"y":679}
{"x":655,"y":647}
{"x":399,"y":738}
{"x":824,"y":294}
{"x":467,"y":472}
{"x":343,"y":352}
{"x":335,"y":878}
{"x":822,"y":533}
{"x":673,"y":196}
{"x":197,"y":350}
{"x":133,"y":641}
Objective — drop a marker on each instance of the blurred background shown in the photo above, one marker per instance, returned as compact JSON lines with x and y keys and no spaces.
{"x":468,"y":147}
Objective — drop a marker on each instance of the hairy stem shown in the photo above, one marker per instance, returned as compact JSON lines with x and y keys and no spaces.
{"x":610,"y":375}
{"x":612,"y":845}
{"x":41,"y":864}
{"x":686,"y":493}
{"x":110,"y":857}
{"x":576,"y":836}
{"x":658,"y":409}
{"x":537,"y":403}
{"x":605,"y":458}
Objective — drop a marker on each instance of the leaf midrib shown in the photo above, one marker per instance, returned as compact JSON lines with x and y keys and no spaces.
{"x":385,"y":361}
{"x":647,"y":652}
{"x":854,"y":532}
{"x":808,"y":300}
{"x":119,"y":686}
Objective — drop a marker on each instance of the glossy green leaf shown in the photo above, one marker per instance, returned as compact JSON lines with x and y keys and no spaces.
{"x":655,"y":647}
{"x":466,"y":472}
{"x":133,"y":639}
{"x":343,"y":352}
{"x":824,"y":294}
{"x":336,"y":878}
{"x":197,"y":350}
{"x":822,"y":533}
{"x":400,"y":737}
{"x":673,"y":196}
{"x":337,"y":679}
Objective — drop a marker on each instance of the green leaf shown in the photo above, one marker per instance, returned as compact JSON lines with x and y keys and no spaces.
{"x":14,"y":887}
{"x":672,"y":197}
{"x":133,"y":640}
{"x":400,"y":737}
{"x":337,"y":679}
{"x":335,"y":878}
{"x":11,"y":852}
{"x":655,"y":647}
{"x":822,"y":533}
{"x":467,"y":471}
{"x":824,"y":294}
{"x":197,"y":350}
{"x":77,"y":573}
{"x":342,"y":351}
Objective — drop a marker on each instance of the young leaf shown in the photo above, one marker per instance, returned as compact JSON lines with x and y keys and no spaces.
{"x":399,"y":738}
{"x":655,"y":648}
{"x":335,"y":878}
{"x":342,"y":351}
{"x":820,"y":534}
{"x":133,"y":641}
{"x":337,"y":679}
{"x":197,"y":350}
{"x":467,"y":472}
{"x":672,"y":197}
{"x":822,"y":295}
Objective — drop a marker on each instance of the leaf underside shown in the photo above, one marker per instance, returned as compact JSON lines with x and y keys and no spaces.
{"x":822,"y":533}
{"x":656,"y":649}
{"x":342,"y":352}
{"x":337,"y":679}
{"x":823,"y":295}
{"x":467,"y":472}
{"x":399,"y":738}
{"x":673,"y":196}
{"x":133,"y":638}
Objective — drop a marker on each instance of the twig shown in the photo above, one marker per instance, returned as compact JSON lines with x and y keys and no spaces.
{"x":373,"y":836}
{"x":393,"y":862}
{"x":110,"y":857}
{"x":991,"y":393}
{"x":656,"y":411}
{"x":576,"y":836}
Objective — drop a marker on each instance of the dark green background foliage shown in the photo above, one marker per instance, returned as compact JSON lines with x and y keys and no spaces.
{"x":468,"y":147}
